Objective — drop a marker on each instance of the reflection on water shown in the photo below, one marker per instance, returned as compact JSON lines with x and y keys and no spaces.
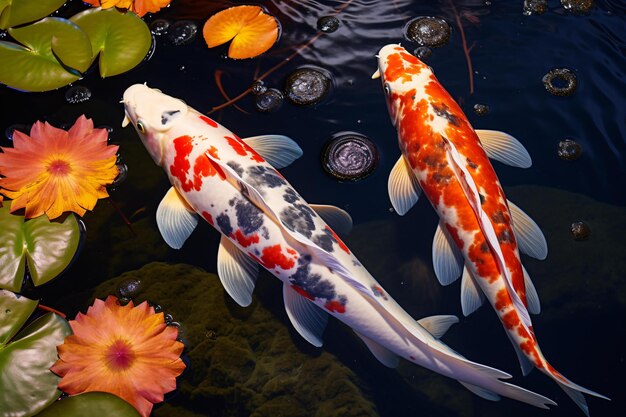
{"x":583,"y":295}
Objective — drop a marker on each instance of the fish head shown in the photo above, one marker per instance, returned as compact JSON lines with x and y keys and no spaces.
{"x":152,"y":114}
{"x":402,"y":76}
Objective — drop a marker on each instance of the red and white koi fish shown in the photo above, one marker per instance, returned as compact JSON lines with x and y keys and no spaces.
{"x":479,"y":231}
{"x":233,"y":184}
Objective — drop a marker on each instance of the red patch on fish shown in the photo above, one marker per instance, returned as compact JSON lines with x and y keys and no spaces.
{"x":273,"y":257}
{"x":302,"y":292}
{"x":209,"y":121}
{"x":205,"y":167}
{"x":244,"y":240}
{"x":207,"y":216}
{"x":180,"y":167}
{"x":339,"y":241}
{"x":335,"y":306}
{"x":243,"y":149}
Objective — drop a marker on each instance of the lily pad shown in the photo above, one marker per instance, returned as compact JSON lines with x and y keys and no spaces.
{"x":46,"y":247}
{"x":36,"y":65}
{"x":91,"y":404}
{"x":122,"y":39}
{"x":18,"y":12}
{"x":28,"y":385}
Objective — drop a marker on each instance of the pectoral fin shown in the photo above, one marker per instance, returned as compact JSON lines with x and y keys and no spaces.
{"x":280,"y":151}
{"x":339,"y":220}
{"x":175,"y":219}
{"x":504,"y":148}
{"x":237,"y":271}
{"x":530,"y":239}
{"x":438,"y":325}
{"x":472,"y":296}
{"x":403,"y":188}
{"x":307,"y":318}
{"x":481,"y":392}
{"x":384,"y":355}
{"x":447,"y":258}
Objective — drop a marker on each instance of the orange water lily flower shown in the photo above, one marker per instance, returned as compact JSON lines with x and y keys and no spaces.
{"x":139,"y":7}
{"x":53,"y":170}
{"x":251,"y":29}
{"x":126,"y":350}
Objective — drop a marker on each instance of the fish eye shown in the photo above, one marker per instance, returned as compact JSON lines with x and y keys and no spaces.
{"x":141,"y":128}
{"x":387,"y":88}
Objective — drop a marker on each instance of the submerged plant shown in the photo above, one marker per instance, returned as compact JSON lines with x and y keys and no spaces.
{"x":126,"y":350}
{"x":53,"y":171}
{"x":139,"y":7}
{"x":251,"y":29}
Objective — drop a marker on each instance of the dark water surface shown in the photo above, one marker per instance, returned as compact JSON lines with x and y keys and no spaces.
{"x":582,"y":326}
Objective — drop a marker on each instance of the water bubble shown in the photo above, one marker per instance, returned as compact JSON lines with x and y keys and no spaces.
{"x":9,"y":131}
{"x":129,"y":288}
{"x":77,"y":94}
{"x":423,"y":52}
{"x":577,"y":6}
{"x":481,"y":109}
{"x":328,"y":24}
{"x":122,"y":173}
{"x":269,"y":101}
{"x":182,"y":32}
{"x":560,"y":82}
{"x":349,"y":156}
{"x":428,"y":31}
{"x":258,"y":87}
{"x":307,"y":85}
{"x":569,"y":150}
{"x":159,"y":27}
{"x":168,"y":318}
{"x":535,"y":7}
{"x":580,"y":231}
{"x":107,"y":127}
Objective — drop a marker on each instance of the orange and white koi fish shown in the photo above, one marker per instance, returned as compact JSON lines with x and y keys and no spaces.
{"x":479,"y":231}
{"x":232,"y":183}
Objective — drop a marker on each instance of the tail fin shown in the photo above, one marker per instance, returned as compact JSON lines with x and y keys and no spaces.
{"x":574,"y":391}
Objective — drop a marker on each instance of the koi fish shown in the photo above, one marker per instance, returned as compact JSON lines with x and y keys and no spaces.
{"x":232,"y":183}
{"x":480,"y":233}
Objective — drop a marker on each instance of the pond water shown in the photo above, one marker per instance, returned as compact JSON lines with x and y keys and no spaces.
{"x":582,"y":326}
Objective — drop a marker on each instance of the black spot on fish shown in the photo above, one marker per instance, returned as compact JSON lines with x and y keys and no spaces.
{"x":441,"y":179}
{"x":265,"y":233}
{"x":249,"y":217}
{"x":299,"y":218}
{"x":442,"y":110}
{"x":313,"y":284}
{"x":235,"y":167}
{"x":244,"y":189}
{"x":290,"y":196}
{"x":482,"y":198}
{"x":167,"y":115}
{"x":484,"y":248}
{"x":498,"y":217}
{"x":262,"y":176}
{"x":505,"y":237}
{"x":324,"y":241}
{"x":223,"y":221}
{"x":471,"y":164}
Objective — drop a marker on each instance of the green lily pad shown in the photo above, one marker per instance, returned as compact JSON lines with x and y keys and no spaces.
{"x":91,"y":404}
{"x":35,"y":66}
{"x":46,"y":247}
{"x":14,"y":311}
{"x":28,"y":385}
{"x":18,"y":12}
{"x":122,"y":39}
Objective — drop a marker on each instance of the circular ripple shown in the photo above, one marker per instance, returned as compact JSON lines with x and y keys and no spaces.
{"x":258,"y":87}
{"x":129,"y":288}
{"x":428,"y":31}
{"x":423,"y":52}
{"x":577,"y":6}
{"x":182,"y":32}
{"x":560,"y":82}
{"x":535,"y":7}
{"x":159,"y":27}
{"x":269,"y":101}
{"x":569,"y":150}
{"x":307,"y":85}
{"x":77,"y":94}
{"x":580,"y":230}
{"x":328,"y":24}
{"x":481,"y":109}
{"x":349,"y":156}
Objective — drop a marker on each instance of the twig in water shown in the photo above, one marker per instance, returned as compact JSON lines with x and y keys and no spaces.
{"x":466,"y":50}
{"x":220,"y":87}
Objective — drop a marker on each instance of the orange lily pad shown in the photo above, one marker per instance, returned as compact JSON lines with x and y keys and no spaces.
{"x":251,"y":29}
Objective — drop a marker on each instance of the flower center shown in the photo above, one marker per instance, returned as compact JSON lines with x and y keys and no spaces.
{"x":119,"y":356}
{"x":59,"y":167}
